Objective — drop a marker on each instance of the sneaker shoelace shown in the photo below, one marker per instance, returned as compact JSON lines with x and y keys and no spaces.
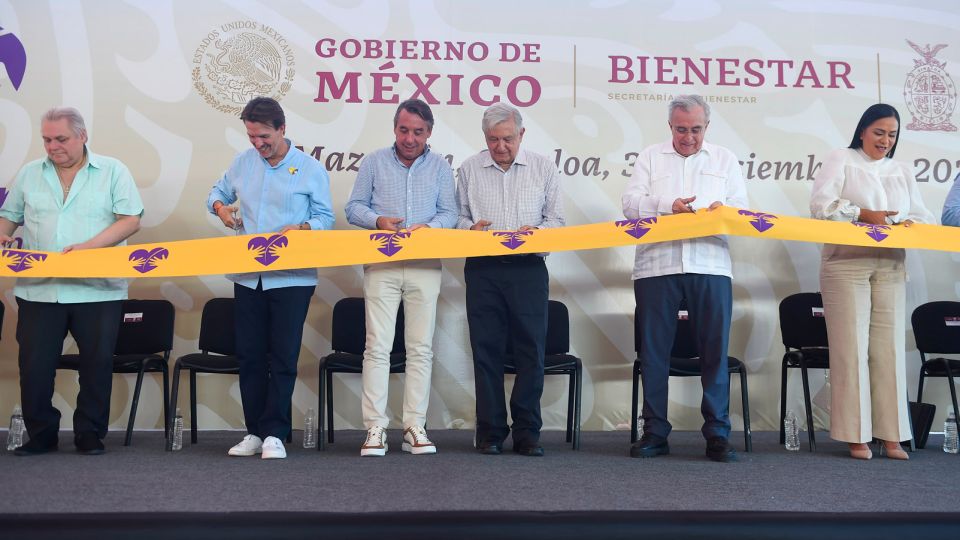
{"x":419,"y":435}
{"x":374,"y":437}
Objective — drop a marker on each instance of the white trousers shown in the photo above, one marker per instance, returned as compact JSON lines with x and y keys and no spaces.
{"x":864,"y":292}
{"x":417,"y":285}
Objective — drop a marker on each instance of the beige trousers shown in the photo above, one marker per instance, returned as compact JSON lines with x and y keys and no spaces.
{"x":864,"y":292}
{"x":417,"y":285}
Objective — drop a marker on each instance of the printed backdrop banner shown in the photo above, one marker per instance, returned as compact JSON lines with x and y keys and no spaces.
{"x":161,"y":84}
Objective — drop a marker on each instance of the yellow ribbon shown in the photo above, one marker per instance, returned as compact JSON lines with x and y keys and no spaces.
{"x":310,"y":249}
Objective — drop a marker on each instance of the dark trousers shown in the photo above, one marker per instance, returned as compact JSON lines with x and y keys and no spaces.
{"x":507,"y":300}
{"x":41,"y":329}
{"x":709,"y":301}
{"x":269,"y":330}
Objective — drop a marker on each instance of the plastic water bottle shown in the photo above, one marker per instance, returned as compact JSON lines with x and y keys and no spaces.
{"x":309,"y":430}
{"x":791,"y":431}
{"x":15,"y":435}
{"x":950,"y":443}
{"x":176,"y":437}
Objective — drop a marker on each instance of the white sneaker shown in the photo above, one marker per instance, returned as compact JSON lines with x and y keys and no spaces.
{"x":376,"y":443}
{"x":416,"y":442}
{"x":273,"y":449}
{"x":250,"y":445}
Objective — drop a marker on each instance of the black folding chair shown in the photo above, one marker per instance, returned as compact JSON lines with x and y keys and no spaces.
{"x":804,"y":332}
{"x":348,"y":342}
{"x":936,"y":328}
{"x":685,"y":362}
{"x":143,"y":346}
{"x":558,"y":361}
{"x":217,"y":355}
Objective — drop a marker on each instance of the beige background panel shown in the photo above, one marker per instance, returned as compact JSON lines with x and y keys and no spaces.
{"x":128,"y":66}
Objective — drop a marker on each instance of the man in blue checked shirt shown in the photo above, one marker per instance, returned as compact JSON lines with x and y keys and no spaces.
{"x":279,"y":189}
{"x":404,"y":186}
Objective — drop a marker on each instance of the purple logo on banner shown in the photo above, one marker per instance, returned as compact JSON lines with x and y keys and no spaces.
{"x":14,"y":57}
{"x":3,"y":195}
{"x":265,"y":248}
{"x":145,"y":261}
{"x":514,"y":238}
{"x":637,"y":227}
{"x":875,"y":231}
{"x":22,"y":260}
{"x":387,"y":243}
{"x":760,"y":220}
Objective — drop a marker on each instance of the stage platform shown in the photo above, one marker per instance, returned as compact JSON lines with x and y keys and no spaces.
{"x":144,"y":492}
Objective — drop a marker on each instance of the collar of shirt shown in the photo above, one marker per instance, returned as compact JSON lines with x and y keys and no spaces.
{"x":286,"y":159}
{"x":667,"y":148}
{"x":92,"y":160}
{"x":519,"y":159}
{"x":421,"y":157}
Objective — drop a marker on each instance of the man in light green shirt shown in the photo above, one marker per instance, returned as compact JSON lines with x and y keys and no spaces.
{"x":73,"y":199}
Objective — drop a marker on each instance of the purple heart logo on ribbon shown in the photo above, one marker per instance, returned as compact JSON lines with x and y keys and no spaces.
{"x":760,"y":221}
{"x":145,"y":261}
{"x":875,"y":231}
{"x":22,"y":260}
{"x":636,"y":227}
{"x":265,"y":249}
{"x":14,"y":58}
{"x":514,"y":238}
{"x":388,"y":243}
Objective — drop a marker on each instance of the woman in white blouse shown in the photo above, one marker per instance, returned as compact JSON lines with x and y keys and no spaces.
{"x":864,"y":288}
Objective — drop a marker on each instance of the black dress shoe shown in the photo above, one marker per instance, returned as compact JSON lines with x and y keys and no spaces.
{"x":491,"y":449}
{"x":719,"y":449}
{"x":529,"y":450}
{"x":34,"y":448}
{"x":649,"y":446}
{"x":88,"y":444}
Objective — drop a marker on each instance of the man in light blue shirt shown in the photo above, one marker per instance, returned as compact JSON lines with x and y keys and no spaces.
{"x":400,"y":189}
{"x":951,"y":206}
{"x":74,"y":199}
{"x":279,"y":188}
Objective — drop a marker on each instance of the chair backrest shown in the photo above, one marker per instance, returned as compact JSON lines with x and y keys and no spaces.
{"x":146,"y":327}
{"x":936,"y":327}
{"x":350,"y":327}
{"x":801,"y":321}
{"x":558,"y":330}
{"x":684,"y":341}
{"x":216,"y":327}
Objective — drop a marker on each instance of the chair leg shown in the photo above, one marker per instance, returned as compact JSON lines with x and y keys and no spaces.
{"x":329,"y":406}
{"x":321,"y":411}
{"x":173,"y":401}
{"x":166,"y":398}
{"x":745,"y":400}
{"x":577,"y":406}
{"x":920,"y":384}
{"x":634,"y":436}
{"x":134,"y":404}
{"x":807,"y":406}
{"x":953,"y":393}
{"x":571,"y":398}
{"x":290,"y":431}
{"x":783,"y":400}
{"x":193,"y":407}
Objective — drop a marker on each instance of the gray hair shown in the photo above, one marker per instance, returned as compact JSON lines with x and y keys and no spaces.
{"x":74,"y":120}
{"x":687,"y":102}
{"x":500,"y":112}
